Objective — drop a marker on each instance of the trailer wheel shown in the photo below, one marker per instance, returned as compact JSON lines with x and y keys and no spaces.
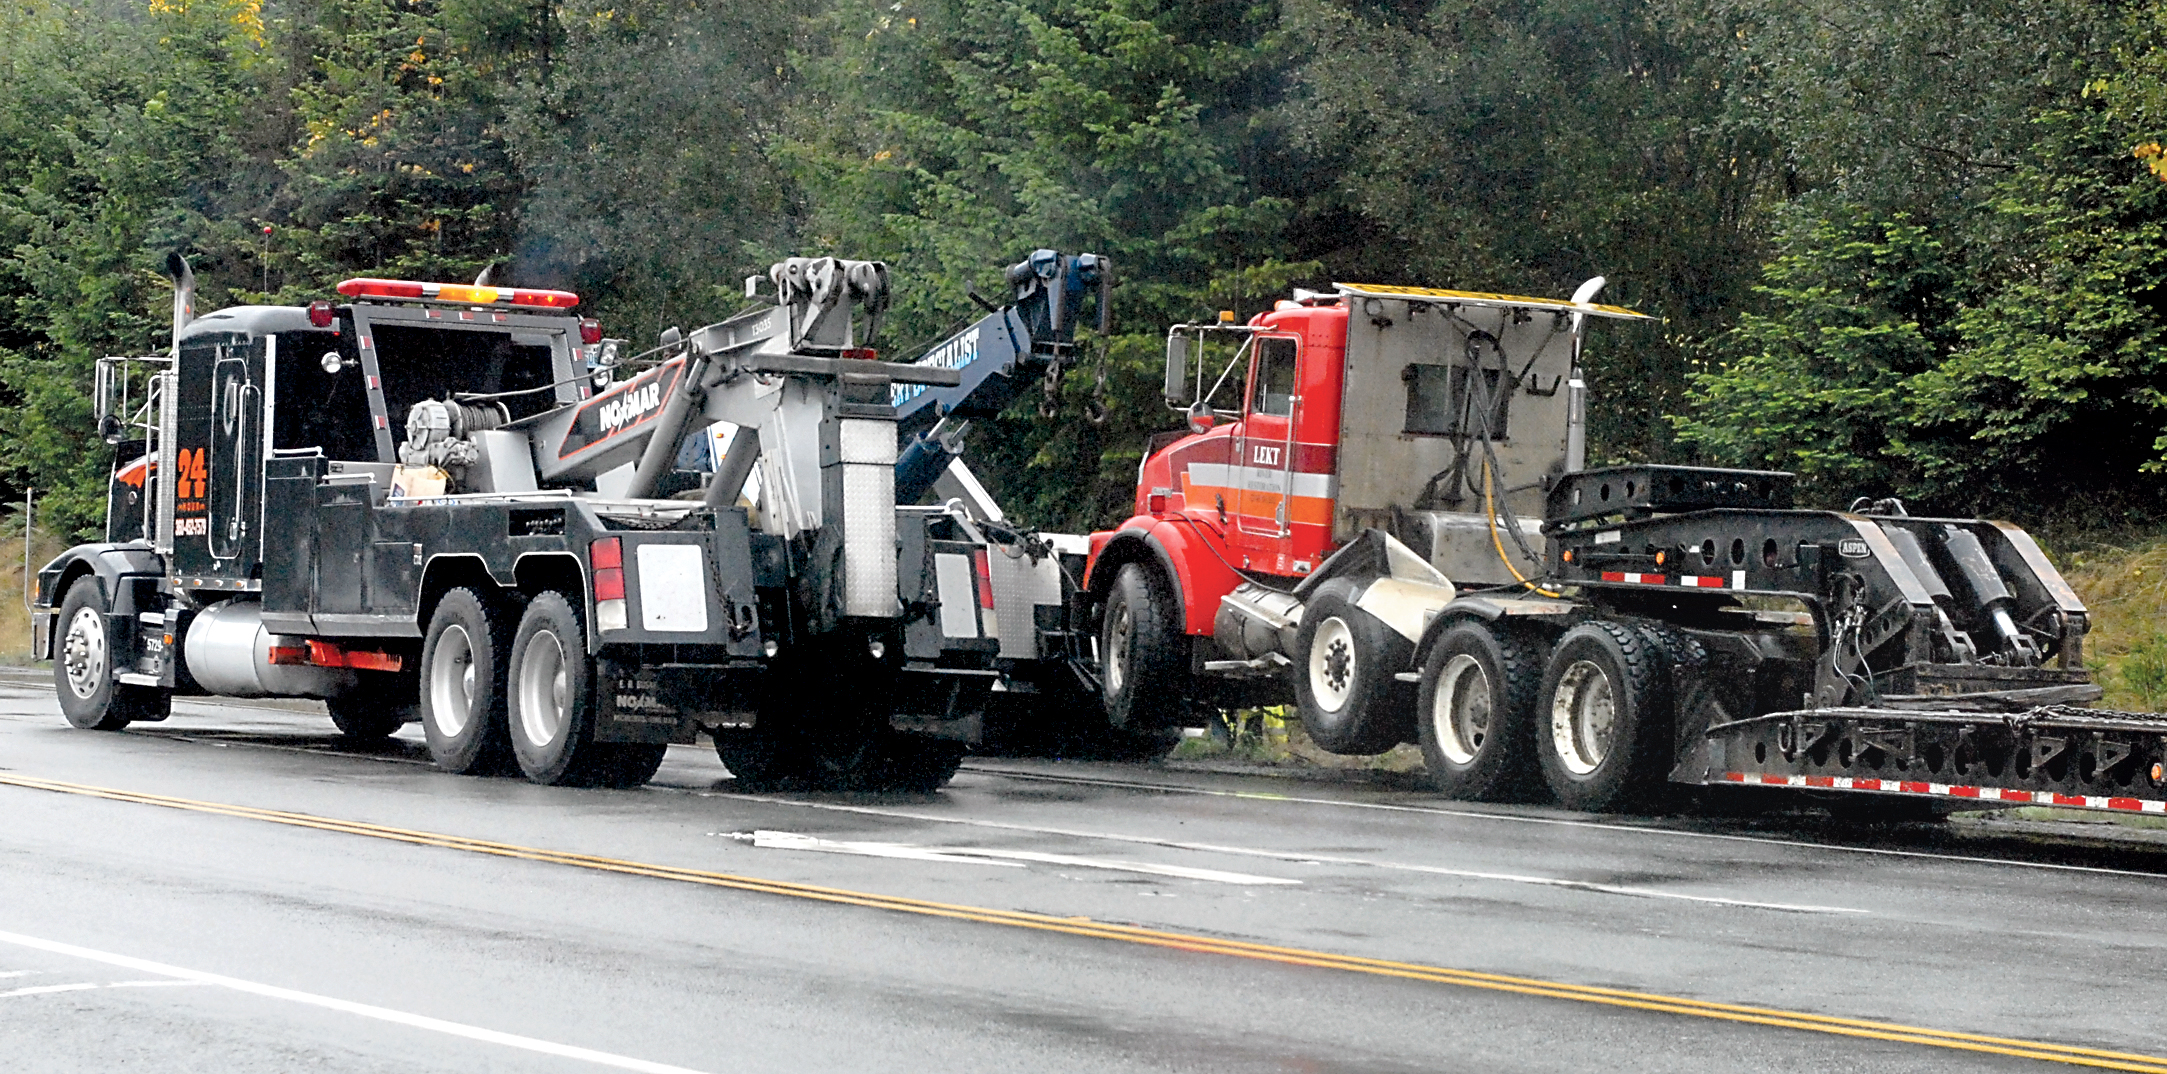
{"x":1343,"y":685}
{"x":462,"y":683}
{"x":552,"y":700}
{"x":1140,"y":651}
{"x":83,"y":673}
{"x":1602,"y":724}
{"x":376,"y":708}
{"x":1475,"y":709}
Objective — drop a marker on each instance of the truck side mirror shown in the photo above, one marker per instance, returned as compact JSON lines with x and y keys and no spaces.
{"x":1177,"y":367}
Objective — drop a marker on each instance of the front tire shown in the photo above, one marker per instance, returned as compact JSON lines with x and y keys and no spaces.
{"x":1142,"y":655}
{"x":1475,"y":709}
{"x":463,"y":660}
{"x":1343,"y":676}
{"x":83,"y":673}
{"x":1603,"y":721}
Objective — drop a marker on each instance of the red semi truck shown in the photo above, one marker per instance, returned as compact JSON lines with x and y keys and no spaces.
{"x":1381,"y":513}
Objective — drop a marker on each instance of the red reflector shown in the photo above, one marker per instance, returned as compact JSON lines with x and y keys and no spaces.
{"x":590,"y":330}
{"x":609,"y":583}
{"x":319,"y":314}
{"x":985,"y":579}
{"x":1156,"y":503}
{"x":865,"y":353}
{"x":607,"y":552}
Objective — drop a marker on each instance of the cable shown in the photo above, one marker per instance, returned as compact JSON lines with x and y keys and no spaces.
{"x":1489,"y":512}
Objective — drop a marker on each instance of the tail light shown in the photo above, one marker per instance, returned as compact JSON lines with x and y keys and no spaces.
{"x":607,"y":555}
{"x":985,"y":578}
{"x":590,"y":331}
{"x":319,"y":314}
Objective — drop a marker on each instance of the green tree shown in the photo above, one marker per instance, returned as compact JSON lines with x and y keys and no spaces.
{"x":1525,"y":146}
{"x":953,"y":137}
{"x":112,"y":145}
{"x":1853,"y":308}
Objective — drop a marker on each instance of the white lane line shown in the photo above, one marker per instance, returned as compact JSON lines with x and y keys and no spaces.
{"x":986,"y":856}
{"x":18,"y":973}
{"x":767,"y":840}
{"x":1562,"y":822}
{"x":43,"y":989}
{"x":382,"y":1014}
{"x":1316,"y":859}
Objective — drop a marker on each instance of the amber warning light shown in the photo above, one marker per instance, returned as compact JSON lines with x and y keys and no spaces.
{"x":459,"y":294}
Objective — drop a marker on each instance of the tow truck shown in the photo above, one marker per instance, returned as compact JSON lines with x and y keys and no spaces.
{"x":446,"y":502}
{"x":1387,"y":522}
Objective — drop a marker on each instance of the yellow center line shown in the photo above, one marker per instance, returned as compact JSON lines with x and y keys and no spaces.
{"x":1086,"y":927}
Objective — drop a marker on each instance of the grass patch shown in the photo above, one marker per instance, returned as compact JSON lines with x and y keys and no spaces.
{"x":2126,"y":590}
{"x":14,"y":612}
{"x":1274,"y":736}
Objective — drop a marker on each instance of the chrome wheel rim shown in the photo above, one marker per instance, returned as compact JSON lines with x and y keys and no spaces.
{"x":451,"y":682}
{"x":1583,"y":717}
{"x":1120,"y":636}
{"x":1460,"y":709}
{"x":82,"y":654}
{"x":544,"y":688}
{"x":1331,"y":664}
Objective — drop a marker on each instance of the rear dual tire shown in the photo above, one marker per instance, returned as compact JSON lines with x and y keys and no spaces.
{"x":509,"y":687}
{"x":552,"y":705}
{"x":1603,"y":726}
{"x":1474,"y":712}
{"x":463,"y":661}
{"x":376,"y":707}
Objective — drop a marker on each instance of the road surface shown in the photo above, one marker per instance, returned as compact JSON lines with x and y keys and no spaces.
{"x":236,"y":889}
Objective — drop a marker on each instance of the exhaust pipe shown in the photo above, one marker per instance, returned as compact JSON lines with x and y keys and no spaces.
{"x":184,"y":296}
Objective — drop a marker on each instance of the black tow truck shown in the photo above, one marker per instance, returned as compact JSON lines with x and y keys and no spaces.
{"x":454,"y":503}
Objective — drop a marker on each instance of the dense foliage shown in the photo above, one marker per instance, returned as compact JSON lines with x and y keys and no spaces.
{"x":1908,"y":246}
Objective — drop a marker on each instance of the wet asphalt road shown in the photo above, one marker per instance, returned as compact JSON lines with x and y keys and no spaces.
{"x":137,"y":936}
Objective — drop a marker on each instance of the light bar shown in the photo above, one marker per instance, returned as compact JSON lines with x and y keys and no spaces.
{"x":1443,"y":297}
{"x":458,"y":294}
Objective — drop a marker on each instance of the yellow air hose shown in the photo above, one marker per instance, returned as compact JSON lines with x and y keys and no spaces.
{"x":1489,"y":512}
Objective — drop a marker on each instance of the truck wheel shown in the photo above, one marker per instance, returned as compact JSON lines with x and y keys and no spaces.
{"x":1602,"y":726}
{"x":376,"y":708}
{"x":761,"y":760}
{"x":462,"y":684}
{"x":551,"y":693}
{"x":633,"y":763}
{"x":916,"y":764}
{"x":1475,"y":708}
{"x":1141,"y":651}
{"x":1343,"y":685}
{"x":83,"y":668}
